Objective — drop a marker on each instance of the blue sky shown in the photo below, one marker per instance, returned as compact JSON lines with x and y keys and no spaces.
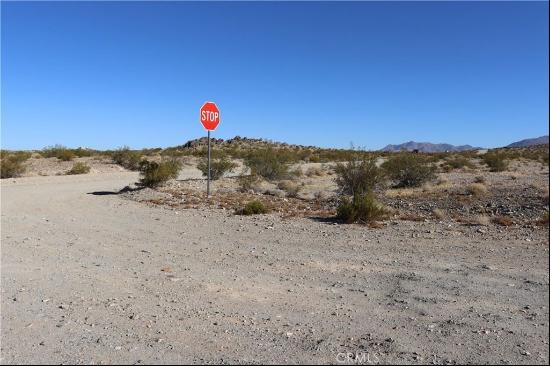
{"x":107,"y":74}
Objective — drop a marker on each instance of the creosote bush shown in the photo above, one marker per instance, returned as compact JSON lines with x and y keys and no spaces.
{"x":477,"y":189}
{"x":362,"y":208}
{"x":269,"y":163}
{"x":58,"y":151}
{"x":248,"y":182}
{"x":127,"y":158}
{"x":11,"y":164}
{"x":358,"y":175}
{"x":457,"y":162}
{"x":253,"y":208}
{"x":155,"y":174}
{"x":496,"y":161}
{"x":291,"y":188}
{"x":408,"y":170}
{"x":79,"y":168}
{"x":218,"y":167}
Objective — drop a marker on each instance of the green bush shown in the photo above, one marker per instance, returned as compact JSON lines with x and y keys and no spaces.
{"x":79,"y":168}
{"x":268,"y":163}
{"x":362,"y":208}
{"x":218,"y":167}
{"x":127,"y":158}
{"x":408,"y":170}
{"x":495,"y":161}
{"x":253,"y":208}
{"x":11,"y":165}
{"x":155,"y":174}
{"x":359,"y":175}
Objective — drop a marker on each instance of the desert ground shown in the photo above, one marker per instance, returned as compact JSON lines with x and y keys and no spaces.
{"x":91,"y":274}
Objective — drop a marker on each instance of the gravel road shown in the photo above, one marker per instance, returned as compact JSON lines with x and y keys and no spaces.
{"x":90,"y":277}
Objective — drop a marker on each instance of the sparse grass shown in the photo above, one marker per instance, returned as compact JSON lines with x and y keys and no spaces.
{"x":253,"y":208}
{"x":79,"y":168}
{"x":477,"y":189}
{"x":155,"y":174}
{"x":127,"y":158}
{"x":291,"y":188}
{"x":408,"y":170}
{"x":362,"y":208}
{"x":358,"y":176}
{"x":218,"y":167}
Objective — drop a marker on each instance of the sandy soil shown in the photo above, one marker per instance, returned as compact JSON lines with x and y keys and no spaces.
{"x":89,"y":276}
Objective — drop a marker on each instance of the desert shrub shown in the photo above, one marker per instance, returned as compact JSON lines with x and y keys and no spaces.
{"x":315,"y":171}
{"x":319,"y":196}
{"x":457,"y":162}
{"x":502,"y":221}
{"x":362,"y":208}
{"x":495,"y":161}
{"x":155,"y":174}
{"x":248,"y":182}
{"x":358,"y":175}
{"x":58,"y":151}
{"x":127,"y":158}
{"x":408,"y":170}
{"x":480,"y":179}
{"x":268,"y":163}
{"x":477,"y":189}
{"x":253,"y":208}
{"x":79,"y":168}
{"x":11,"y":165}
{"x":296,"y":173}
{"x":543,"y":221}
{"x":481,"y":220}
{"x":82,"y":153}
{"x":291,"y":188}
{"x":439,"y":213}
{"x":218,"y":167}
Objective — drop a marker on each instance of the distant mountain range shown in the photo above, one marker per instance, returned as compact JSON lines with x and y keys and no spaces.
{"x":244,"y":142}
{"x":427,"y":147}
{"x":543,"y":140}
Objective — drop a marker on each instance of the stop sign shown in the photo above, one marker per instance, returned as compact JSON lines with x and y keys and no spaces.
{"x":210,"y":116}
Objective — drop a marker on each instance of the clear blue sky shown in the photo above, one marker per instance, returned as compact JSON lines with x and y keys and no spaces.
{"x":106,"y":74}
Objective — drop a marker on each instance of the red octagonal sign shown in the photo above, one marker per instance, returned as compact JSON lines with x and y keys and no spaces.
{"x":210,"y":116}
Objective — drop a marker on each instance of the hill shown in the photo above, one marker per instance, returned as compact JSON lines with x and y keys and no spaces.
{"x":542,"y":140}
{"x":427,"y":147}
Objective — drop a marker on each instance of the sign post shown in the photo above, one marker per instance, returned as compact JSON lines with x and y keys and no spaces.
{"x":210,"y":118}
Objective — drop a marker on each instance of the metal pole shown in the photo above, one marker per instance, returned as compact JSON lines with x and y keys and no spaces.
{"x":208,"y":180}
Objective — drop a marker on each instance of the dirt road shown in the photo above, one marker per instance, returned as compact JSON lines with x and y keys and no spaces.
{"x":91,"y":277}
